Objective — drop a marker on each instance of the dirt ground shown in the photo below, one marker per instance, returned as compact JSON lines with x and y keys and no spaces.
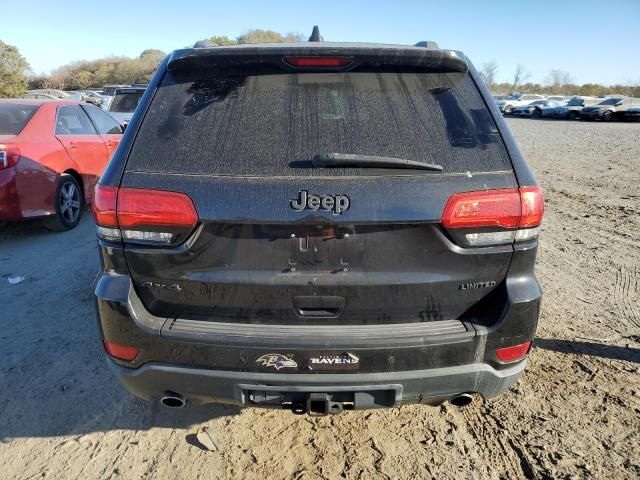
{"x":574,"y":414}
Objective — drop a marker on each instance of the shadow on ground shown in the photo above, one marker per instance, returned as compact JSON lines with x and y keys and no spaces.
{"x":611,"y":352}
{"x":53,"y":377}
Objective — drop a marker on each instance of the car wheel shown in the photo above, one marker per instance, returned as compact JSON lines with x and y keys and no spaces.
{"x":607,"y":116}
{"x":573,"y":115}
{"x":69,"y":204}
{"x":537,"y":113}
{"x":508,"y":109}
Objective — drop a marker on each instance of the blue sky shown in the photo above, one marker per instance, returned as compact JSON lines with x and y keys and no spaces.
{"x":596,"y":41}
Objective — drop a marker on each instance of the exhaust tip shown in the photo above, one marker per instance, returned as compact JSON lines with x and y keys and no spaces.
{"x":173,"y":400}
{"x":461,"y":400}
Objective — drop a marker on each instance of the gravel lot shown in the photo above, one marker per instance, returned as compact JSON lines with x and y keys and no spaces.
{"x":574,"y":414}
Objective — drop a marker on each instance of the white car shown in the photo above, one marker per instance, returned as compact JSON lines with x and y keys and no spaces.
{"x":519,"y":100}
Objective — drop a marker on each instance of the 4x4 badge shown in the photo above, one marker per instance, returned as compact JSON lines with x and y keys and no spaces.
{"x":335,"y":203}
{"x":276,"y":361}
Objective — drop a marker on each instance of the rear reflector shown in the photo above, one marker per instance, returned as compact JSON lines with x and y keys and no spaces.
{"x":516,"y":352}
{"x":142,"y":216}
{"x":122,"y":352}
{"x":322,"y":62}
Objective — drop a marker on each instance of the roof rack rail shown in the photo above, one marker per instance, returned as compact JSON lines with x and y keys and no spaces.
{"x":428,"y":44}
{"x":315,"y":35}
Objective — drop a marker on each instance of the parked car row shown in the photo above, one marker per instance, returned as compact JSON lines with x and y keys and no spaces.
{"x":130,"y":95}
{"x":89,"y":96}
{"x":572,"y":108}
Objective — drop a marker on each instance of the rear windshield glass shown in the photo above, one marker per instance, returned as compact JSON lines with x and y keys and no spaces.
{"x":244,"y":123}
{"x":14,"y":116}
{"x":125,"y":102}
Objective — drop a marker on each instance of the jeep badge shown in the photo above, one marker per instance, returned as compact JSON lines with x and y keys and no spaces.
{"x":335,"y":203}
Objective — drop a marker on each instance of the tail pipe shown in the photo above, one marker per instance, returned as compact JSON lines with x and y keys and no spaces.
{"x":173,"y":400}
{"x":461,"y":400}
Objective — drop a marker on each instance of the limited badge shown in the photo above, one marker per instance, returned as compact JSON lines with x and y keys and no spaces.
{"x":333,"y":361}
{"x":276,"y":361}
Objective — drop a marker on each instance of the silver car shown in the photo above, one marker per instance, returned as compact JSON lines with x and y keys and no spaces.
{"x":534,"y":109}
{"x":607,"y":109}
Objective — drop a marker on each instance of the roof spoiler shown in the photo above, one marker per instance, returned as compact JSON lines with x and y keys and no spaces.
{"x":427,"y":59}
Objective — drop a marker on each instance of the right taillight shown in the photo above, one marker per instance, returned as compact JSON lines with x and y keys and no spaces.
{"x":135,"y":215}
{"x":493,"y":217}
{"x":9,"y":156}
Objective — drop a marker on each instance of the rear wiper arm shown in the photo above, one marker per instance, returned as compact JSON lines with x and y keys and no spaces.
{"x":353,"y":160}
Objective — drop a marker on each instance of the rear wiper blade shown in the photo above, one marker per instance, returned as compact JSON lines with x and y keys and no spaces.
{"x":353,"y":160}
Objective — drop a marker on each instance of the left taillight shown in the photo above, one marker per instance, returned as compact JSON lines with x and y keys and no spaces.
{"x":151,"y":217}
{"x":493,"y":217}
{"x":9,"y":156}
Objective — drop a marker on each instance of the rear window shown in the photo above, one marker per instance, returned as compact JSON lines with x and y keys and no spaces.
{"x":246,"y":123}
{"x":14,"y":117}
{"x":125,"y":102}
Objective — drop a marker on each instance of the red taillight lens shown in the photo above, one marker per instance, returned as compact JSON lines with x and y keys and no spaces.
{"x":322,"y":62}
{"x":8,"y":156}
{"x":104,"y":206}
{"x":488,"y":208}
{"x":491,"y":217}
{"x":506,"y":208}
{"x":516,"y":352}
{"x":122,"y":352}
{"x":143,"y":216}
{"x":532,"y":207}
{"x":143,"y":208}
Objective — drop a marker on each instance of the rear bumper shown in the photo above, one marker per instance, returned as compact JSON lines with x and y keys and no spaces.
{"x":424,"y":362}
{"x":430,"y":387}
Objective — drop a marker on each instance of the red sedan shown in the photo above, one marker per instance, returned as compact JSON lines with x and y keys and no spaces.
{"x":51,"y":156}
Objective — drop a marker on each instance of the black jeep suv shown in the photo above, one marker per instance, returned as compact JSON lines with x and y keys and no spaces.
{"x":317,"y":226}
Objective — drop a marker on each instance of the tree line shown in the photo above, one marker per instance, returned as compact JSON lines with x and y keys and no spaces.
{"x":16,"y":76}
{"x":557,"y":82}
